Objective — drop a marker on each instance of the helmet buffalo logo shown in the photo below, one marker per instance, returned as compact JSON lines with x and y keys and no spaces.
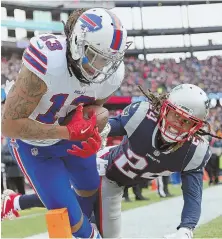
{"x":91,"y":21}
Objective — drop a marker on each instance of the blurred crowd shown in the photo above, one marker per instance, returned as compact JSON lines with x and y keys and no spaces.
{"x":215,"y":120}
{"x":10,"y":67}
{"x":157,"y":75}
{"x":160,"y":75}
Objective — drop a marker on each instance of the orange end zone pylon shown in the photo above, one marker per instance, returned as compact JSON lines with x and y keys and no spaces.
{"x":154,"y":185}
{"x":58,"y":223}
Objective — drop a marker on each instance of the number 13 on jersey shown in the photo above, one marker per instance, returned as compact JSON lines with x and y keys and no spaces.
{"x":58,"y":102}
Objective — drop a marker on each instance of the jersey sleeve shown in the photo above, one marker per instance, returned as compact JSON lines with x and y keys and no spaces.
{"x":129,"y":120}
{"x":35,"y":57}
{"x":133,"y":115}
{"x":199,"y":157}
{"x":192,"y":187}
{"x":192,"y":182}
{"x":46,"y":57}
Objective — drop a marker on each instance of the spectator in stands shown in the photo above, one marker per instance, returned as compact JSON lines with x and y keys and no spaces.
{"x":212,"y":166}
{"x":14,"y":177}
{"x":137,"y":190}
{"x":163,"y":186}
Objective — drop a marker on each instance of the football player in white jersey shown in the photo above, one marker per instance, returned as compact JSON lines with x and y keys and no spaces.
{"x":60,"y":73}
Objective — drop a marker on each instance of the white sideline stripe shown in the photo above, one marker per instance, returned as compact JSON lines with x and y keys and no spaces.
{"x":162,"y":218}
{"x":156,"y":220}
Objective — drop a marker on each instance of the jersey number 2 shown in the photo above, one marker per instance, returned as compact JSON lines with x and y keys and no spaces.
{"x":132,"y":160}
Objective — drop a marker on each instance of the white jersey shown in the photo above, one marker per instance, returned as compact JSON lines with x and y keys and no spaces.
{"x":46,"y":57}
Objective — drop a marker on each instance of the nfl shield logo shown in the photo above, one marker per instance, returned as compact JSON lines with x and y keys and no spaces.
{"x":156,"y":153}
{"x":14,"y":144}
{"x":34,"y":151}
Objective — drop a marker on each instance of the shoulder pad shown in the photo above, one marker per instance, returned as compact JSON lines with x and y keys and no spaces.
{"x":200,"y":154}
{"x":133,"y":115}
{"x":137,"y":108}
{"x":46,"y":54}
{"x":112,"y":83}
{"x":117,"y":77}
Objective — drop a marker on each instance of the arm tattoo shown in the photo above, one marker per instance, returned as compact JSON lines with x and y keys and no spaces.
{"x":32,"y":86}
{"x":34,"y":130}
{"x":24,"y":96}
{"x":22,"y":100}
{"x":18,"y":108}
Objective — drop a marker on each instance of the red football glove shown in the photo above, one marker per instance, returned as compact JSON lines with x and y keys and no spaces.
{"x":80,"y":128}
{"x":89,"y":147}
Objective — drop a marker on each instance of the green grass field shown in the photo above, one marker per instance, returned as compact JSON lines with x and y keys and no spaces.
{"x":33,"y":221}
{"x":213,"y":229}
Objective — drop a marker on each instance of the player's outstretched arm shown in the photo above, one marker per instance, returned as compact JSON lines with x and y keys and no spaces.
{"x":192,"y":194}
{"x":192,"y":186}
{"x":21,"y":101}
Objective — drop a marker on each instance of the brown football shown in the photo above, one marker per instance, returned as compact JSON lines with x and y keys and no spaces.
{"x":102,"y":116}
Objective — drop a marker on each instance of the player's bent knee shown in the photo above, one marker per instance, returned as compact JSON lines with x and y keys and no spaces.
{"x":91,"y":185}
{"x":85,"y":193}
{"x":75,"y":228}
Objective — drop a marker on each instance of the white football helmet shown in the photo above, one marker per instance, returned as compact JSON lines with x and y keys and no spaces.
{"x":98,"y":41}
{"x":188,"y":101}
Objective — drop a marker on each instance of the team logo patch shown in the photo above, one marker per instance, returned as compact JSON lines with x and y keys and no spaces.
{"x":34,"y":151}
{"x":135,"y":105}
{"x":126,"y":111}
{"x":91,"y":21}
{"x":14,"y":144}
{"x":156,"y":153}
{"x":40,"y":45}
